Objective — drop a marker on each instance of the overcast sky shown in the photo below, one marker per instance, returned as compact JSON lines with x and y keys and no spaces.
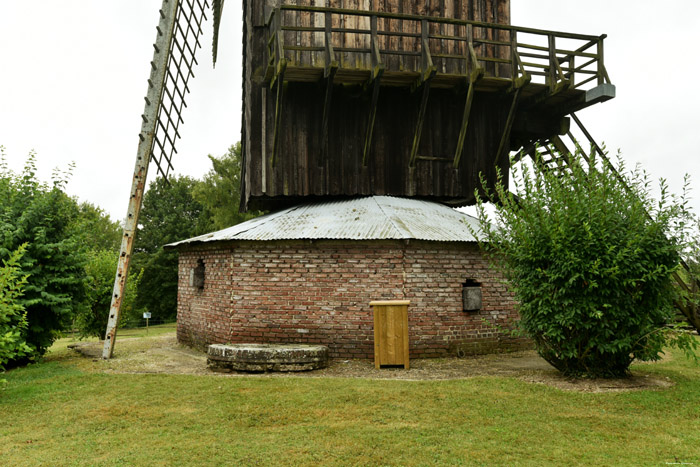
{"x":73,"y":78}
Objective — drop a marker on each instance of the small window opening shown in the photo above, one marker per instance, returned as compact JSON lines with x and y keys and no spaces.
{"x":198,"y":275}
{"x":471,"y":295}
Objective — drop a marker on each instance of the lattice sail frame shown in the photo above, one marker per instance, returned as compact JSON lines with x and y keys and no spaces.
{"x":177,"y":40}
{"x":184,"y":43}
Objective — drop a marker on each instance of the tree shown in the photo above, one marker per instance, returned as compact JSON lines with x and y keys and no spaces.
{"x":101,"y":237}
{"x":13,"y":318}
{"x":589,"y":258}
{"x":170,"y":213}
{"x":41,"y":215}
{"x":97,"y":231}
{"x":220,"y":191}
{"x":92,"y":315}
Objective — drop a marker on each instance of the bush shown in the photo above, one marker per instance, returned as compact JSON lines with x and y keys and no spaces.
{"x":13,"y":319}
{"x":93,"y":314}
{"x":590,"y":263}
{"x":41,"y":216}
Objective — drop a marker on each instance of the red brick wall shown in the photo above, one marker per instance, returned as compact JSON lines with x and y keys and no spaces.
{"x":319,"y":292}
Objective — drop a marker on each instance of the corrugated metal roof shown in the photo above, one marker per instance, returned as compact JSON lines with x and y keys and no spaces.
{"x":370,"y":218}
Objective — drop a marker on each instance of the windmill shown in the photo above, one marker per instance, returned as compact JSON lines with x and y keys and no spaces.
{"x":346,"y":98}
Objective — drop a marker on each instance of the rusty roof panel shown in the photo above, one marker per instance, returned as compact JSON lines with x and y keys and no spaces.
{"x":369,"y":218}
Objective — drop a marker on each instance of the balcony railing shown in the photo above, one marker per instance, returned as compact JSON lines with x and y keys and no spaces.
{"x":309,"y":42}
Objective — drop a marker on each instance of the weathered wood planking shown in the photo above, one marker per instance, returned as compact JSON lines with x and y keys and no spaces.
{"x":492,"y":11}
{"x":301,"y":171}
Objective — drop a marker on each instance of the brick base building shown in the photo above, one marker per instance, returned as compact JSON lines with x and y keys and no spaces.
{"x":250,"y":284}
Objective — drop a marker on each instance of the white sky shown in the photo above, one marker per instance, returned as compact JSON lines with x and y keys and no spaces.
{"x":73,"y":77}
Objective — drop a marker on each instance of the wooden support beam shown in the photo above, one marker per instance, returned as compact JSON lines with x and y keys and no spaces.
{"x":327,"y":112}
{"x":374,"y":81}
{"x":329,"y":74}
{"x":278,"y":60}
{"x":428,"y":72}
{"x":504,"y":145}
{"x":561,"y":147}
{"x":428,"y":68}
{"x":463,"y":127}
{"x":527,"y":150}
{"x":419,"y":124}
{"x":281,"y":85}
{"x":536,"y":125}
{"x":476,"y":72}
{"x":520,"y":75}
{"x":370,"y":120}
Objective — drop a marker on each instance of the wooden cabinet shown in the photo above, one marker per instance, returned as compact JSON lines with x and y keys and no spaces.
{"x":390,"y":332}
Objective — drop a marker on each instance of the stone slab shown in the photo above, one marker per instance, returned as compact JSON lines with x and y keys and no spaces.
{"x":266,"y":357}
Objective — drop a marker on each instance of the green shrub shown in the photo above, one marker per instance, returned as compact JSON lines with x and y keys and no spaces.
{"x":13,"y":320}
{"x":41,"y":215}
{"x":589,"y":256}
{"x":93,"y":313}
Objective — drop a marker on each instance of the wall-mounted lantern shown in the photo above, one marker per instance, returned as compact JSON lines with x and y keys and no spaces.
{"x":471,"y":295}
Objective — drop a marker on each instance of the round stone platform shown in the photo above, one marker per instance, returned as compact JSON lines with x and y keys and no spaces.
{"x":266,"y":357}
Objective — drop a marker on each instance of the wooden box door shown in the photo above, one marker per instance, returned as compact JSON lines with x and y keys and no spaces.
{"x":390,"y":332}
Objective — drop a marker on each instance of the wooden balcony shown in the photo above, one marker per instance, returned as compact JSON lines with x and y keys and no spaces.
{"x":556,"y":73}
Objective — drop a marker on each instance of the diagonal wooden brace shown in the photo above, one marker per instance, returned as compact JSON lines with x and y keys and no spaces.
{"x":505,"y":137}
{"x":279,"y":81}
{"x":374,"y":80}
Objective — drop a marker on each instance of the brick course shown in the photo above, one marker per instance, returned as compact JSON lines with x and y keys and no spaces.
{"x":319,"y":292}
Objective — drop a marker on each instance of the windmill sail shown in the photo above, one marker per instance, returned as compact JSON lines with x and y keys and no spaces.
{"x":177,"y":40}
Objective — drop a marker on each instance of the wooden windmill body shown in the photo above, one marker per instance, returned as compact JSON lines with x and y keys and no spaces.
{"x":346,"y":98}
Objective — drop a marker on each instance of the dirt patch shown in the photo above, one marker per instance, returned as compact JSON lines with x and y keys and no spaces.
{"x":162,"y":354}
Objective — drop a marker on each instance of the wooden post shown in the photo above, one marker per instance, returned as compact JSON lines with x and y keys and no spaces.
{"x":375,"y":78}
{"x":601,"y":64}
{"x":427,"y":73}
{"x":278,"y":80}
{"x":504,"y":144}
{"x":552,"y":75}
{"x":331,"y":67}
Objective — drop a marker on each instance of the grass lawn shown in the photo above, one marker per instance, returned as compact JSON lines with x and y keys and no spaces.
{"x":60,"y":412}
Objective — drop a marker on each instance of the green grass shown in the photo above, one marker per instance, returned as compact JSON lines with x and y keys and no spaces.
{"x":152,"y":331}
{"x":53,"y":413}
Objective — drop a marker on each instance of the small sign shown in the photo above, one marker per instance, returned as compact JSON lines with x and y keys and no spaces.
{"x":147,"y":315}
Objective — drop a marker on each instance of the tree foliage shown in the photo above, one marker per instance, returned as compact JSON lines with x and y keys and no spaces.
{"x":96,"y":230}
{"x":41,"y":216}
{"x":13,"y":318}
{"x":589,"y":256}
{"x":101,"y":268}
{"x":220,"y":191}
{"x":170,"y":213}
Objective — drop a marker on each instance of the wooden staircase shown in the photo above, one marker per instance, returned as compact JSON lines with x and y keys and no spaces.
{"x":553,"y":154}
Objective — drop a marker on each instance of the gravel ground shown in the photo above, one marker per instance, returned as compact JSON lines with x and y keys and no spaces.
{"x":163,"y":354}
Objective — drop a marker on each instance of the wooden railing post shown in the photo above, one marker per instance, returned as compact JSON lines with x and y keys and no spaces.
{"x":328,"y":26}
{"x":425,"y":51}
{"x":470,"y":47}
{"x":601,"y":64}
{"x":329,"y":74}
{"x":374,"y":80}
{"x":514,"y":68}
{"x":552,"y":72}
